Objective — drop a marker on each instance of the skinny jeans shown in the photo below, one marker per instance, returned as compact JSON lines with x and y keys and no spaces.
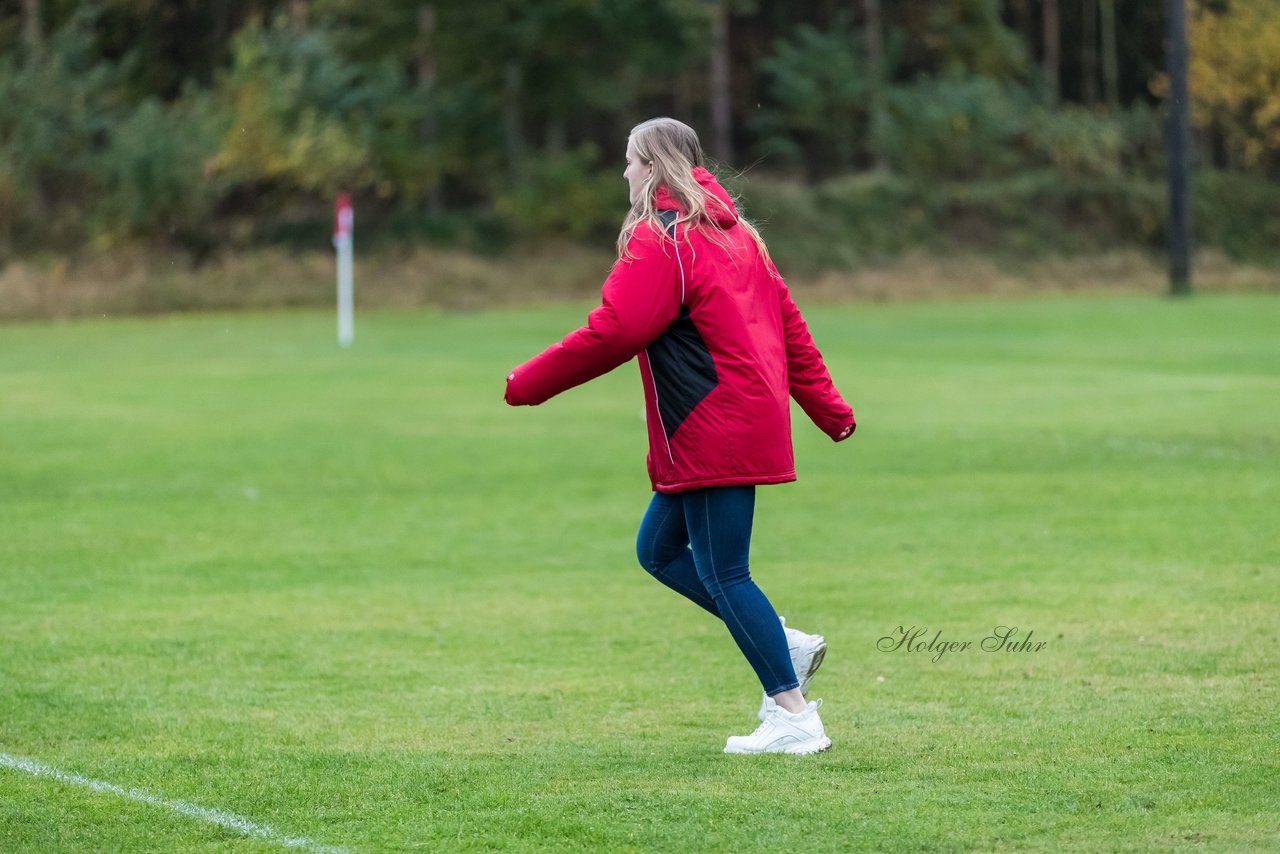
{"x":697,"y":544}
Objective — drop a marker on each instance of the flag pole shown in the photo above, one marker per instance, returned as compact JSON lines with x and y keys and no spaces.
{"x":344,"y":223}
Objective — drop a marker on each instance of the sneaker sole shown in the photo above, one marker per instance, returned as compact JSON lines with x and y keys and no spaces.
{"x":804,"y":748}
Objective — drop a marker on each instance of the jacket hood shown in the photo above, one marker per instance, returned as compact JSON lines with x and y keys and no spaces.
{"x":723,"y":214}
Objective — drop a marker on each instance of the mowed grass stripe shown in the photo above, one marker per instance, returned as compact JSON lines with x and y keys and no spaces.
{"x":353,"y":595}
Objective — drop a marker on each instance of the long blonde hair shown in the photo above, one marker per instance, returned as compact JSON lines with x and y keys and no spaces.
{"x":671,"y":147}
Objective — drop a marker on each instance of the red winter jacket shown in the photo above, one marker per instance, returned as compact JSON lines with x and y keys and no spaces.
{"x":721,"y":346}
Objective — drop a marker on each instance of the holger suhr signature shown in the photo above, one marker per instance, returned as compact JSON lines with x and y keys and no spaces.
{"x":1002,"y":639}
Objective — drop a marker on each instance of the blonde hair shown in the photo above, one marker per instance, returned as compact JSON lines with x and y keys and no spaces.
{"x":671,"y":147}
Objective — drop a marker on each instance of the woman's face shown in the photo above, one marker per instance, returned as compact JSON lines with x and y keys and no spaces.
{"x":637,"y":172}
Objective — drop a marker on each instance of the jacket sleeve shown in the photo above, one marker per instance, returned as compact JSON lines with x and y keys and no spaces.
{"x":639,"y":300}
{"x":810,"y":383}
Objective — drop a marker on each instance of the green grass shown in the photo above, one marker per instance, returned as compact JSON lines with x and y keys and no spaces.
{"x":352,"y":596}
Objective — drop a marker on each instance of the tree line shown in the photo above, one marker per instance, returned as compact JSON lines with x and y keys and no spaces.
{"x":203,"y":124}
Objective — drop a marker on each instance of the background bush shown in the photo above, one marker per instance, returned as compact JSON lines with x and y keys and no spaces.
{"x":955,"y":128}
{"x":202,"y":126}
{"x":57,"y":111}
{"x":155,"y":173}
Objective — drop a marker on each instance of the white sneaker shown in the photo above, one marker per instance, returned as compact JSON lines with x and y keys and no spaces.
{"x":783,"y":732}
{"x":807,"y":652}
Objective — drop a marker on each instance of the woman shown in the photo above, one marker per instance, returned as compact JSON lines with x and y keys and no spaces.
{"x":721,"y":347}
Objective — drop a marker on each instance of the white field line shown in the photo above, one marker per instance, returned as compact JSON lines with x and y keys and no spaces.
{"x":231,"y":821}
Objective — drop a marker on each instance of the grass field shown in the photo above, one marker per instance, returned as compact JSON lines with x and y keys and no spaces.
{"x":353,"y":598}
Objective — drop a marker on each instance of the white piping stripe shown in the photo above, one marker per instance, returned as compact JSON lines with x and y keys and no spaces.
{"x":231,"y":821}
{"x":656,"y":400}
{"x":657,"y":408}
{"x":681,"y":264}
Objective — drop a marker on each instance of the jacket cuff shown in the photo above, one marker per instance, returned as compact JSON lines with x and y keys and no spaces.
{"x":513,"y":396}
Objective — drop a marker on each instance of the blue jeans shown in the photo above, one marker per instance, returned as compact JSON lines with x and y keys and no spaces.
{"x":696,"y":543}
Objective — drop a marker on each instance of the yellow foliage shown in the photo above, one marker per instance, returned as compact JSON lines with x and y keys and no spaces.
{"x":275,"y":137}
{"x":1234,"y":73}
{"x":314,"y":153}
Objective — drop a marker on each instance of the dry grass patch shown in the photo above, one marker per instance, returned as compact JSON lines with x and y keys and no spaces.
{"x":146,"y":282}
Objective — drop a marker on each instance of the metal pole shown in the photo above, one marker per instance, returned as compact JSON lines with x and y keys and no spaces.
{"x":721,"y":81}
{"x":1179,"y":150}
